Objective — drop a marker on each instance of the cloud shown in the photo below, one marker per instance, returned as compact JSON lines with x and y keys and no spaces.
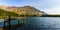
{"x":53,"y":10}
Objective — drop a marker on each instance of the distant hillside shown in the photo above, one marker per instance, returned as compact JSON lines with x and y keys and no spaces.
{"x":25,"y":10}
{"x":4,"y":13}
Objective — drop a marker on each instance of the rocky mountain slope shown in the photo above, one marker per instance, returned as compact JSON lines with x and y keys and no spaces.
{"x":25,"y":10}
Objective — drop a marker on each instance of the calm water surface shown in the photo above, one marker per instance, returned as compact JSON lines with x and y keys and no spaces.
{"x":39,"y":23}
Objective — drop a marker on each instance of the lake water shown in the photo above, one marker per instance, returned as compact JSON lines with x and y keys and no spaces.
{"x":39,"y":23}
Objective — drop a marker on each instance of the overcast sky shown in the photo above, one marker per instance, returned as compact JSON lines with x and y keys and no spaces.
{"x":48,"y":6}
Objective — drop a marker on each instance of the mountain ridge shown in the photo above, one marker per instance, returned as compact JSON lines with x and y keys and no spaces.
{"x":24,"y":10}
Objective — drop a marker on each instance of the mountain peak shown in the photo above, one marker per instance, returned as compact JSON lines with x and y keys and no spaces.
{"x":27,"y":6}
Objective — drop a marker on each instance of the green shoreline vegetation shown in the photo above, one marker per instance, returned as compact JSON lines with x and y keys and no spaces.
{"x":4,"y":13}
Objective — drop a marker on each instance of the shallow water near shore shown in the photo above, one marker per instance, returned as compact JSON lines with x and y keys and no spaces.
{"x":39,"y":23}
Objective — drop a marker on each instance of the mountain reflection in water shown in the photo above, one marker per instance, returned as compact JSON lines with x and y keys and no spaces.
{"x":38,"y":23}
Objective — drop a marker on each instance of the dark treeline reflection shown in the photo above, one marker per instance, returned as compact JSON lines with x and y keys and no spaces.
{"x":50,"y":16}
